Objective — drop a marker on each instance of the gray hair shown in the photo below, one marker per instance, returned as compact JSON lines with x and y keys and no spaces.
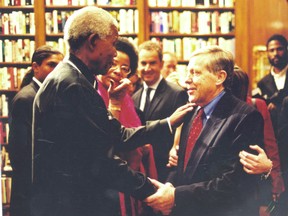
{"x":214,"y":59}
{"x":86,"y":21}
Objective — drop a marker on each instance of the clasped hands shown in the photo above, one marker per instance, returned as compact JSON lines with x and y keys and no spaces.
{"x":163,"y":199}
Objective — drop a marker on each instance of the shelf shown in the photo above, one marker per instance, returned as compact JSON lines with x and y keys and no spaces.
{"x":73,"y":7}
{"x":228,"y":35}
{"x":196,"y":8}
{"x":15,"y":64}
{"x":8,"y":92}
{"x":21,"y":8}
{"x":16,"y":36}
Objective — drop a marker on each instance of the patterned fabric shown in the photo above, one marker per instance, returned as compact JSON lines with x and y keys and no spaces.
{"x":195,"y":131}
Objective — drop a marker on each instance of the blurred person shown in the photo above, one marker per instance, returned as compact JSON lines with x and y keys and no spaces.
{"x":44,"y":60}
{"x":169,"y":63}
{"x":75,"y":137}
{"x":141,"y":159}
{"x":273,"y":187}
{"x":163,"y":98}
{"x":274,"y":86}
{"x":209,"y":178}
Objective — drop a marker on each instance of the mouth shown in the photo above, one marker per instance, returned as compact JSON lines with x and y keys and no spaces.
{"x":190,"y":91}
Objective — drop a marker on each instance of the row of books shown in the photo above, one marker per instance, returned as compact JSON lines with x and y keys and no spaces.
{"x":191,"y":3}
{"x":17,"y":22}
{"x":20,"y":50}
{"x":6,"y":183}
{"x":128,"y":20}
{"x":62,"y":46}
{"x":91,"y":2}
{"x":184,"y":47}
{"x":16,"y":2}
{"x":10,"y":79}
{"x":203,"y":22}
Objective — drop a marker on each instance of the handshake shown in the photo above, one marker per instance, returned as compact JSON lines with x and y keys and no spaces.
{"x":163,"y":199}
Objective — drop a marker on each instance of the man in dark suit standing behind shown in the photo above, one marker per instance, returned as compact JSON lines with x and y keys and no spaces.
{"x":209,"y":179}
{"x":75,"y":138}
{"x":274,"y":86}
{"x":44,"y":60}
{"x":164,"y":98}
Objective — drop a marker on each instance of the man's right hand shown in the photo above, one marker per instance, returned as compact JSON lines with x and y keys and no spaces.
{"x":177,"y":117}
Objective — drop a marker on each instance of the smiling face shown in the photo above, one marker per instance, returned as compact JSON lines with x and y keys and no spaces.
{"x":115,"y":73}
{"x":202,"y":85}
{"x":277,"y":54}
{"x":149,"y":66}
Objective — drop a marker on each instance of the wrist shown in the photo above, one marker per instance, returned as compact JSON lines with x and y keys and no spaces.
{"x":264,"y":176}
{"x":113,"y":107}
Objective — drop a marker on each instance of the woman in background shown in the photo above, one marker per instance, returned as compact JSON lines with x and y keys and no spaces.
{"x":140,"y":159}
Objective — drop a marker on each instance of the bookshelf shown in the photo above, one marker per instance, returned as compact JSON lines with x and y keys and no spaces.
{"x":184,"y":26}
{"x":17,"y":44}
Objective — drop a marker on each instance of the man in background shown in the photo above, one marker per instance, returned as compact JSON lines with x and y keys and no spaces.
{"x":274,"y":86}
{"x":44,"y":60}
{"x":157,"y":98}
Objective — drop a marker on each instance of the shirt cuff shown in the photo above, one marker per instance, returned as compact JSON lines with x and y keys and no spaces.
{"x":170,"y":127}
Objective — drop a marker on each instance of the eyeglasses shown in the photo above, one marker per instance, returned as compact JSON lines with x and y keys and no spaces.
{"x":124,"y":69}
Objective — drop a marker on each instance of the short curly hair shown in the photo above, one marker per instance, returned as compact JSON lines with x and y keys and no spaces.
{"x":124,"y":45}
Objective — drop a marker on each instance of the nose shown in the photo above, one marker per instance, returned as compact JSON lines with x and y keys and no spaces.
{"x":147,"y":67}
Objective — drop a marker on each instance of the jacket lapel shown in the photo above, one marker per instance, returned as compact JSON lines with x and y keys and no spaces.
{"x":158,"y":96}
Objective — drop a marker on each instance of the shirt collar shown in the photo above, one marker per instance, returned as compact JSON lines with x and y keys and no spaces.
{"x":37,"y":81}
{"x":82,"y":68}
{"x":155,"y":85}
{"x":209,"y":108}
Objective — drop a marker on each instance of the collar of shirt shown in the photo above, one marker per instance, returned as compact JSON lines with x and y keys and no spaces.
{"x":209,"y":108}
{"x":82,"y":68}
{"x":37,"y":81}
{"x":152,"y":93}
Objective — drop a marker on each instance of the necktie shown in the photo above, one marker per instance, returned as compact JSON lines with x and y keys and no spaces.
{"x":147,"y":102}
{"x":196,"y":128}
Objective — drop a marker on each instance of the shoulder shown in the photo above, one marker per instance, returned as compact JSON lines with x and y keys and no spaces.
{"x":265,"y":79}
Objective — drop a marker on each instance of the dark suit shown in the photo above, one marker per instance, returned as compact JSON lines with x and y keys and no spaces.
{"x":214,"y":183}
{"x":271,"y":94}
{"x":167,"y":98}
{"x":20,"y":143}
{"x":74,"y":141}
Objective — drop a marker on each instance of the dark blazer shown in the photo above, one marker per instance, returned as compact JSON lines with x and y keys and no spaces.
{"x":214,"y":183}
{"x":268,"y":88}
{"x":168,"y":97}
{"x":20,"y":148}
{"x":271,"y":94}
{"x":74,"y":139}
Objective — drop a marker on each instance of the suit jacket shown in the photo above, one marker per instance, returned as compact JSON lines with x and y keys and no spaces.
{"x":214,"y":183}
{"x":271,"y":94}
{"x":20,"y":148}
{"x":167,"y":98}
{"x":74,"y":140}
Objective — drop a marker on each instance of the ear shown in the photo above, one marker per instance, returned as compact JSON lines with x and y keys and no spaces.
{"x":221,"y":77}
{"x":35,"y":67}
{"x":92,"y":40}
